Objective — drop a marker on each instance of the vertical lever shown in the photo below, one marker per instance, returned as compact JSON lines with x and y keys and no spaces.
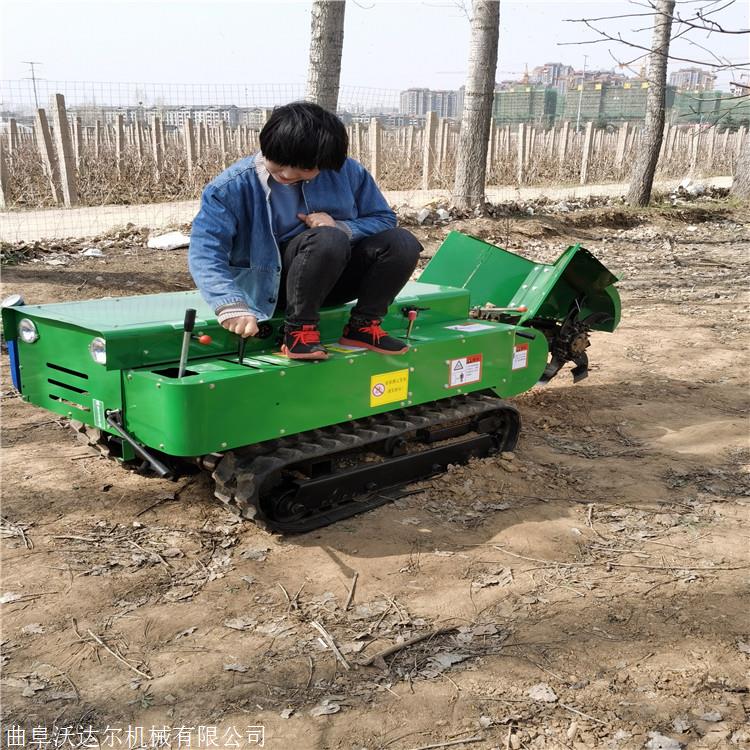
{"x":187,"y":331}
{"x":241,"y":350}
{"x":412,"y":316}
{"x":411,"y":313}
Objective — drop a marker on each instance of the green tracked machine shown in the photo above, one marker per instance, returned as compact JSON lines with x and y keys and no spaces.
{"x":154,"y":381}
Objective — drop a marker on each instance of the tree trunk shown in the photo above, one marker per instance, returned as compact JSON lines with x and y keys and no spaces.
{"x":326,"y":44}
{"x":642,"y":177}
{"x":741,"y":181}
{"x":471,"y":162}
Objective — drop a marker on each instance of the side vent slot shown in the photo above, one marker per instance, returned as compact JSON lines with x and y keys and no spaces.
{"x":59,"y":368}
{"x":65,"y":401}
{"x":67,"y":385}
{"x":68,"y":388}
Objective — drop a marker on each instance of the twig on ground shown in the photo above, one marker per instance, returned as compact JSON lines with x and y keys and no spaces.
{"x":662,"y":583}
{"x":580,"y":713}
{"x":150,"y":552}
{"x":312,"y":669}
{"x":294,"y":604}
{"x":401,"y":737}
{"x":288,"y":600}
{"x":372,"y":629}
{"x":76,"y":538}
{"x":404,"y":617}
{"x":329,"y":640}
{"x":676,"y":566}
{"x":351,"y":592}
{"x":75,"y":628}
{"x":442,"y":674}
{"x":400,"y":646}
{"x":674,"y":546}
{"x":31,"y":597}
{"x":68,"y":680}
{"x":606,"y":563}
{"x":161,"y":500}
{"x":168,"y":497}
{"x":117,"y":656}
{"x":500,"y":700}
{"x":18,"y":530}
{"x":537,"y":560}
{"x":464,"y":740}
{"x":544,"y":669}
{"x":621,"y":550}
{"x":590,"y":521}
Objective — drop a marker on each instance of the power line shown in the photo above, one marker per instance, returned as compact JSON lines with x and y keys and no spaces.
{"x":580,"y":95}
{"x":32,"y":63}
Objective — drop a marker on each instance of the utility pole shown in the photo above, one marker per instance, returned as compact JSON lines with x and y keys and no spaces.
{"x":33,"y":78}
{"x":580,"y":94}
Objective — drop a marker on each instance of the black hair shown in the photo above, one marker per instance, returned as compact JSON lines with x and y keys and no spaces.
{"x":306,"y":136}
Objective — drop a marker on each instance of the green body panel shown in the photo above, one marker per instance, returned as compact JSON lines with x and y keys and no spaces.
{"x":224,"y":404}
{"x":147,"y":329}
{"x":221,"y":403}
{"x":58,"y":373}
{"x":504,"y":279}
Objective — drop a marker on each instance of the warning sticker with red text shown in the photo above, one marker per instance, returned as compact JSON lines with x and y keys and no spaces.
{"x":464,"y":370}
{"x":520,"y":356}
{"x":389,"y":387}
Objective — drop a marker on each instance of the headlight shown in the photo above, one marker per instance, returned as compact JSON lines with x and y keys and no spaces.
{"x":27,"y":331}
{"x":12,"y":300}
{"x":98,"y":351}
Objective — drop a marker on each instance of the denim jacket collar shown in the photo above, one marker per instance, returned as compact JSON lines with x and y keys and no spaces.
{"x":263,"y":174}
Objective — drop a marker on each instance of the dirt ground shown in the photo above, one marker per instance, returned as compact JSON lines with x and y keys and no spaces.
{"x":591,"y":591}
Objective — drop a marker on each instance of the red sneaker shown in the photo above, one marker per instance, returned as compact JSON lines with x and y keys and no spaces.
{"x":369,"y":334}
{"x":302,"y":342}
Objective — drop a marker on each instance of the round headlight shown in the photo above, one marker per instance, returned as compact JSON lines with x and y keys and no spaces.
{"x":27,"y":331}
{"x":98,"y":351}
{"x":12,"y":300}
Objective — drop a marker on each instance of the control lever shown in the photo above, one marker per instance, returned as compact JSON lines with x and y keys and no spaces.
{"x":265,"y":329}
{"x":411,"y":313}
{"x":187,"y":333}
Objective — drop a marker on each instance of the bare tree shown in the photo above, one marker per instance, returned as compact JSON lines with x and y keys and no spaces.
{"x":326,"y":45}
{"x":699,"y":19}
{"x":669,"y":25}
{"x":741,"y":181}
{"x":642,"y":176}
{"x":468,"y":188}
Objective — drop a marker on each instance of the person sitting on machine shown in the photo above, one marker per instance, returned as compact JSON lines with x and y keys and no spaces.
{"x":300,"y":226}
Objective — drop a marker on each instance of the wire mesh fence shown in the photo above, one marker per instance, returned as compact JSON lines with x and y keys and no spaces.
{"x":142,"y":152}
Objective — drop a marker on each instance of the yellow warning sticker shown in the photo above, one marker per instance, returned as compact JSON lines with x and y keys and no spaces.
{"x":389,"y":387}
{"x":345,"y":349}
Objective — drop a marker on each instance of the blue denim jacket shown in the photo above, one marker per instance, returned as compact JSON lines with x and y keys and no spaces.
{"x":233,"y":254}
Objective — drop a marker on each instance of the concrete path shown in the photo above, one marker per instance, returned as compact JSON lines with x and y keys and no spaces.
{"x":87,"y":222}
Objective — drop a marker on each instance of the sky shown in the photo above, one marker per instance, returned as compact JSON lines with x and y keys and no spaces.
{"x":387,"y":44}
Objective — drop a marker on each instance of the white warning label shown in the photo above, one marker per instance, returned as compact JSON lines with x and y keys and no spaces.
{"x":99,"y":418}
{"x":470,"y":327}
{"x":520,"y":356}
{"x":465,"y":370}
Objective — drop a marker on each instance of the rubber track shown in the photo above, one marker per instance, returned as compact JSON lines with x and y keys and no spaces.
{"x":246,"y":477}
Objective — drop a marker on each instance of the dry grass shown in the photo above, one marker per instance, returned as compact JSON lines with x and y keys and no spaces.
{"x":138,"y":181}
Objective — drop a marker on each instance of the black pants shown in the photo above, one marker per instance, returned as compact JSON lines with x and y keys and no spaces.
{"x":322,"y":268}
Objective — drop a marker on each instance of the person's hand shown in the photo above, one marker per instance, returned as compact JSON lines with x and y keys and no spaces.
{"x":319,"y":219}
{"x":245,"y":326}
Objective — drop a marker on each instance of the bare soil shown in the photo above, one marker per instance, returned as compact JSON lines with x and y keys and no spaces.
{"x":589,"y":591}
